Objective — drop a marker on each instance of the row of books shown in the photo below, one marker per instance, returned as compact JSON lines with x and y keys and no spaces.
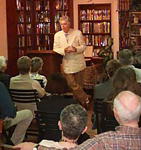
{"x":21,"y":41}
{"x":43,"y":16}
{"x":88,"y":27}
{"x":136,"y":30}
{"x":21,"y":17}
{"x":61,"y":4}
{"x":123,"y":4}
{"x":92,"y":14}
{"x":40,"y":48}
{"x":42,"y":5}
{"x":97,"y":40}
{"x":43,"y":40}
{"x":20,"y":5}
{"x":21,"y":29}
{"x":43,"y":28}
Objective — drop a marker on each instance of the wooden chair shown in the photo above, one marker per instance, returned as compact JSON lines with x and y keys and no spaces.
{"x":26,"y":99}
{"x":97,"y":107}
{"x":48,"y":125}
{"x":108,"y":120}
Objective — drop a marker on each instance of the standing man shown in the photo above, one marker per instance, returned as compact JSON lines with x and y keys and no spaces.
{"x":70,"y":43}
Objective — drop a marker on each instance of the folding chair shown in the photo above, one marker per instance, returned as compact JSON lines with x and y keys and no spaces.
{"x":98,"y":111}
{"x":48,"y":125}
{"x":26,"y":99}
{"x":108,"y":120}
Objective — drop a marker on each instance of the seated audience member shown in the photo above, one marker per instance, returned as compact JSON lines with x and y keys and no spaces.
{"x":126,"y":58}
{"x":127,"y":111}
{"x":55,"y":102}
{"x":4,"y":78}
{"x":103,"y":89}
{"x":23,"y":81}
{"x":73,"y":121}
{"x":21,"y":119}
{"x":36,"y":68}
{"x":124,"y":79}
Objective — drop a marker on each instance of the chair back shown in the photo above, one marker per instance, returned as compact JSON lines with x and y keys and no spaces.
{"x":98,"y":111}
{"x":108,"y":120}
{"x":25,"y":99}
{"x":48,"y":125}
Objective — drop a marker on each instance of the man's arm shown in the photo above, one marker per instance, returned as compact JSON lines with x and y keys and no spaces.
{"x":80,"y":48}
{"x":56,"y":45}
{"x":25,"y":146}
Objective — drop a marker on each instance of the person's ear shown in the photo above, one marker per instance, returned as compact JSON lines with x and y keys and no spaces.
{"x":59,"y":125}
{"x":85,"y":129}
{"x":116,"y":115}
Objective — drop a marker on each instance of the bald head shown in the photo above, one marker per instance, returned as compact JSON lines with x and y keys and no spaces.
{"x":127,"y":106}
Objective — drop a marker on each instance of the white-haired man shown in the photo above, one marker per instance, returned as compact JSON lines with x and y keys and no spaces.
{"x":4,"y":78}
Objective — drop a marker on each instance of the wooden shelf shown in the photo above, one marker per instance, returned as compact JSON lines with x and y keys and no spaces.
{"x":39,"y":52}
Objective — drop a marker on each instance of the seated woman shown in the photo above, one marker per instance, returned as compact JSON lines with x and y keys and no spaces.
{"x":123,"y":80}
{"x":36,"y":68}
{"x":103,"y":89}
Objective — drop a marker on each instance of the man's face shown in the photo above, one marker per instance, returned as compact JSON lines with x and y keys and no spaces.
{"x":65,"y":26}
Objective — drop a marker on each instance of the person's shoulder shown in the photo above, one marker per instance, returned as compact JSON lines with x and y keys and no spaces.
{"x":58,"y":33}
{"x":100,"y":85}
{"x":15,"y":77}
{"x":75,"y":30}
{"x":1,"y":85}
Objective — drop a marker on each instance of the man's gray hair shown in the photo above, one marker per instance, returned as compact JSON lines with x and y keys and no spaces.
{"x":64,"y":18}
{"x":73,"y":119}
{"x":127,"y":115}
{"x":2,"y":62}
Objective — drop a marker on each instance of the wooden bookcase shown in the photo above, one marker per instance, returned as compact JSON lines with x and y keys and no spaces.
{"x":135,"y":30}
{"x":31,"y":25}
{"x":94,"y":20}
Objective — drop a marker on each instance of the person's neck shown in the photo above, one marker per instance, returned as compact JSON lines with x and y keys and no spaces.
{"x":34,"y":72}
{"x":68,"y":143}
{"x":130,"y":124}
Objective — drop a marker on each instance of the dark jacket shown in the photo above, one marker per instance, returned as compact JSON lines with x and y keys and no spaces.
{"x":7,"y":107}
{"x":5,"y":79}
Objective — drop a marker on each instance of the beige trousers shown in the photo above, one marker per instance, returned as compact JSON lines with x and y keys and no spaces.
{"x":22,"y":121}
{"x":75,"y":82}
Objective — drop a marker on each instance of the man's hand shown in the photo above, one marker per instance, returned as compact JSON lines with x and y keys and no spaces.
{"x":25,"y":146}
{"x":70,"y":49}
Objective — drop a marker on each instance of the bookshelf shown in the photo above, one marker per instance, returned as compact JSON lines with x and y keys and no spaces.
{"x":94,"y":20}
{"x":31,"y":25}
{"x":135,"y":30}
